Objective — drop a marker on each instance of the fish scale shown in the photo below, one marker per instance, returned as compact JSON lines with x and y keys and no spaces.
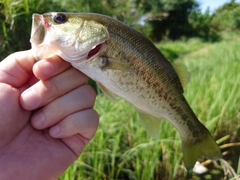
{"x":124,"y":62}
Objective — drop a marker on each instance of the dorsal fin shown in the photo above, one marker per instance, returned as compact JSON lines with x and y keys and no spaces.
{"x":182,"y":73}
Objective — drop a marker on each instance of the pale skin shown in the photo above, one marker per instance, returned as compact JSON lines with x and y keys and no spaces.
{"x":46,"y":116}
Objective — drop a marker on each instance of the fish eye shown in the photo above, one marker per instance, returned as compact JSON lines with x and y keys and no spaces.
{"x":60,"y":18}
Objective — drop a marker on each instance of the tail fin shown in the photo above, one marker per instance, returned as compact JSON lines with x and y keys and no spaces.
{"x":207,"y":148}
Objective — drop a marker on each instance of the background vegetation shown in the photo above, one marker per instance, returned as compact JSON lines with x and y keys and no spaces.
{"x":207,"y":43}
{"x":157,"y":19}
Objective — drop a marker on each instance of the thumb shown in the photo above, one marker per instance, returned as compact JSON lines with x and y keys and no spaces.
{"x":16,"y":69}
{"x":13,"y":118}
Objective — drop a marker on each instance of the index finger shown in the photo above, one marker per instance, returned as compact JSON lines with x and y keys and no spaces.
{"x":47,"y":68}
{"x":16,"y":69}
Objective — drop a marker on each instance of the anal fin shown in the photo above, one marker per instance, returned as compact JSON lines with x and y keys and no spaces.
{"x":150,"y":123}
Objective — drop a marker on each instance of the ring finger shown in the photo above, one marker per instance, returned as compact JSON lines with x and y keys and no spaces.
{"x":79,"y":99}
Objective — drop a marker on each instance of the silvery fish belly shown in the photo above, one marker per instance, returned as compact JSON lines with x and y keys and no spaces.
{"x":125,"y":63}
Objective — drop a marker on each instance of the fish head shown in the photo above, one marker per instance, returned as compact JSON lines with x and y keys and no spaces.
{"x":66,"y":34}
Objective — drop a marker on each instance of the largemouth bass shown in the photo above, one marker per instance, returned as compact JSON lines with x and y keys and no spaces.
{"x":125,"y":63}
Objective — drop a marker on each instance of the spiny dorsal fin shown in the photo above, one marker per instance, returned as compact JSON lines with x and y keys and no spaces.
{"x":182,"y":73}
{"x":150,"y":123}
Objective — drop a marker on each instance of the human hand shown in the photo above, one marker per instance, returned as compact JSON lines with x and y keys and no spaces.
{"x":46,"y":116}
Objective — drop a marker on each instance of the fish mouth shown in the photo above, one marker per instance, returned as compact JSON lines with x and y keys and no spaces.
{"x":38,"y":30}
{"x":94,"y":51}
{"x":44,"y":44}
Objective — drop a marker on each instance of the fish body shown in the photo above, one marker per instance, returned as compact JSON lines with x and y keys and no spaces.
{"x":125,"y":63}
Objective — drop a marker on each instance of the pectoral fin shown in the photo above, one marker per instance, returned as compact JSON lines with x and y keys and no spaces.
{"x":182,"y":73}
{"x":119,"y":65}
{"x":107,"y":92}
{"x":114,"y":64}
{"x":150,"y":123}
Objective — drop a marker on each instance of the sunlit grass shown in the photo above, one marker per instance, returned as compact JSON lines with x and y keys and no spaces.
{"x":177,"y":49}
{"x":214,"y":89}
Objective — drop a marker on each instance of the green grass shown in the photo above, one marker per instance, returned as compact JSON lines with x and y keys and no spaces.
{"x":214,"y":91}
{"x":121,"y":149}
{"x":177,"y":49}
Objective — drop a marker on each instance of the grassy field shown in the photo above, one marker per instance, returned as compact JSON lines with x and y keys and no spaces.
{"x":121,"y":149}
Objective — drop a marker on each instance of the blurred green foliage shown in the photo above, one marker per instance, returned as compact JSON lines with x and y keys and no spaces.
{"x":157,"y":19}
{"x":227,"y":17}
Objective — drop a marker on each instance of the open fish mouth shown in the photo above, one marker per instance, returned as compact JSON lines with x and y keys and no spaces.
{"x":37,"y":31}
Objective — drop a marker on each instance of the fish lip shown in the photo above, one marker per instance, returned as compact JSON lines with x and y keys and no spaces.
{"x":36,"y":18}
{"x":39,"y":27}
{"x":36,"y":28}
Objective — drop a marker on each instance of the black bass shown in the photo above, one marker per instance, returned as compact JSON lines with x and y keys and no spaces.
{"x":125,"y":63}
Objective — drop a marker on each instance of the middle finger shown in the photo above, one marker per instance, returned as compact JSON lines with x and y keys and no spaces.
{"x":45,"y":91}
{"x":79,"y":99}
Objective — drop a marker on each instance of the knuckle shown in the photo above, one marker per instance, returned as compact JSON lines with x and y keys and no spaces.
{"x":52,"y":85}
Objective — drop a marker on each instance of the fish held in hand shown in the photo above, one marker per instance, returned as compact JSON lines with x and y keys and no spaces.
{"x":125,"y":63}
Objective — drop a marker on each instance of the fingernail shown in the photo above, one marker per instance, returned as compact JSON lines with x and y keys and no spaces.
{"x":54,"y":131}
{"x":30,"y":98}
{"x":38,"y":120}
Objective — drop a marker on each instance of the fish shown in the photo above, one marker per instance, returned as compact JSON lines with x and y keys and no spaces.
{"x":124,"y":63}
